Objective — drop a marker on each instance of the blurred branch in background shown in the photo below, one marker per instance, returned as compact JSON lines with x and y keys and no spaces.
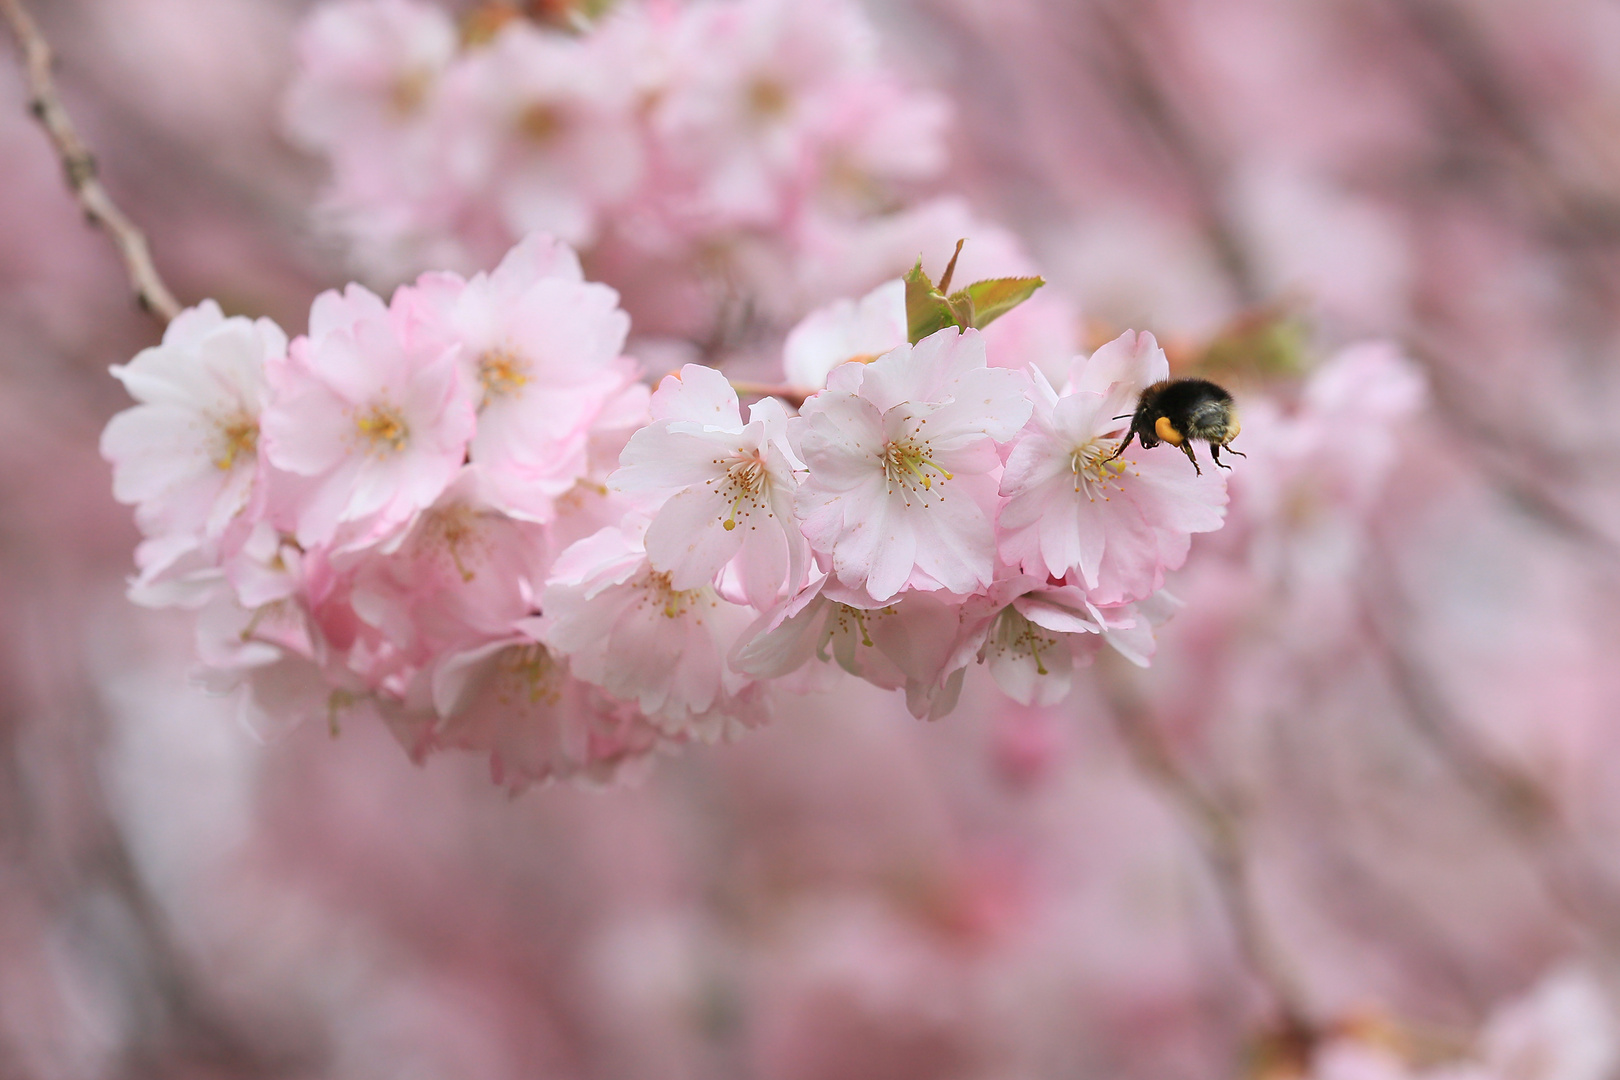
{"x":1525,"y":809}
{"x":79,"y":164}
{"x":1218,"y":830}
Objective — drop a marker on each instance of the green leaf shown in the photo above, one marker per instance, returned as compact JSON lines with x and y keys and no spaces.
{"x":986,"y":301}
{"x":927,"y":309}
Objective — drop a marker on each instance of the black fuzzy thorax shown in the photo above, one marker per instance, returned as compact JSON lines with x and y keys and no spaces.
{"x":1197,"y":408}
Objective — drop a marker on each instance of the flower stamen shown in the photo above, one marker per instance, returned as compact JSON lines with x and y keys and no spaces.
{"x":746,"y":476}
{"x":1096,"y":469}
{"x":675,"y":602}
{"x":907,"y":463}
{"x":384,"y":428}
{"x":533,"y":671}
{"x":239,"y":438}
{"x":502,"y":373}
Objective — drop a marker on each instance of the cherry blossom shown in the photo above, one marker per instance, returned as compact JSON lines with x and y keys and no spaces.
{"x":1118,"y":522}
{"x":842,"y":331}
{"x":541,"y":349}
{"x":911,"y":644}
{"x":546,"y":131}
{"x":902,"y":457}
{"x":370,"y":67}
{"x":187,"y":456}
{"x":725,"y":489}
{"x":515,"y":700}
{"x":464,"y":574}
{"x":1036,"y":633}
{"x":625,"y":627}
{"x":758,"y":89}
{"x":377,"y":418}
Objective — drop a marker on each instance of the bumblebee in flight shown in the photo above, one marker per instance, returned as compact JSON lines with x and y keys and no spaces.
{"x":1181,"y":411}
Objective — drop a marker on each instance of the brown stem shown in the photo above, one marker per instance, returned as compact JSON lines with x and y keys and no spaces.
{"x":79,"y":164}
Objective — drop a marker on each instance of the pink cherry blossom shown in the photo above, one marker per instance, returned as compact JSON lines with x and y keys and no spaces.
{"x":546,"y":131}
{"x":187,"y":455}
{"x":725,"y":489}
{"x":1119,"y":523}
{"x":911,"y":644}
{"x":513,"y":699}
{"x":842,"y":331}
{"x":541,"y":349}
{"x":376,"y":418}
{"x":368,"y":69}
{"x":277,"y":660}
{"x":757,"y":89}
{"x":624,"y":627}
{"x":902,"y":457}
{"x":463,"y":575}
{"x":1036,"y":633}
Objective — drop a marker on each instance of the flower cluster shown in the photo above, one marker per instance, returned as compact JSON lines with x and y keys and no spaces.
{"x":464,"y":509}
{"x":680,"y":124}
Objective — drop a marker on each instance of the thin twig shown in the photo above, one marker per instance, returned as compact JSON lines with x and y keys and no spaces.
{"x":1220,"y":835}
{"x":79,"y":165}
{"x":1130,"y":58}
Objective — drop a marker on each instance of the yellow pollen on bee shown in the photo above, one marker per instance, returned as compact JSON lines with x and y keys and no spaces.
{"x":239,"y":438}
{"x":1165,"y":430}
{"x":502,"y":373}
{"x":384,"y":428}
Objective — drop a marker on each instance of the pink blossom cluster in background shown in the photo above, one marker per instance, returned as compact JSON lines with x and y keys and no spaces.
{"x":728,"y":165}
{"x":461,"y":507}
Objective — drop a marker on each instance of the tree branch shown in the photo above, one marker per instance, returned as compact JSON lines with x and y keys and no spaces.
{"x":1220,"y":836}
{"x":79,"y":164}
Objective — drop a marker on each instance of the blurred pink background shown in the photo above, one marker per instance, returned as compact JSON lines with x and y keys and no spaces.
{"x":1402,"y":701}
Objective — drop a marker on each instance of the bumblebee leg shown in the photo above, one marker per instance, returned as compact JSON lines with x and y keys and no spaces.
{"x":1215,"y":453}
{"x":1120,"y":449}
{"x":1186,"y":448}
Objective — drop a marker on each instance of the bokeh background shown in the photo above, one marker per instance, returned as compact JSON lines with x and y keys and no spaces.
{"x":1366,"y":796}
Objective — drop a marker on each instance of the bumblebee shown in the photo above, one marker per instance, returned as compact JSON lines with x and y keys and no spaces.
{"x":1179,"y":411}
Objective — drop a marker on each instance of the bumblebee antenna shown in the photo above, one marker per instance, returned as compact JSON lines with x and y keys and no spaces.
{"x":1124,"y":416}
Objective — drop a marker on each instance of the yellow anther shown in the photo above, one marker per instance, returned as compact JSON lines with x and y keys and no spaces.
{"x":238,"y":439}
{"x":384,"y":429}
{"x":502,"y":373}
